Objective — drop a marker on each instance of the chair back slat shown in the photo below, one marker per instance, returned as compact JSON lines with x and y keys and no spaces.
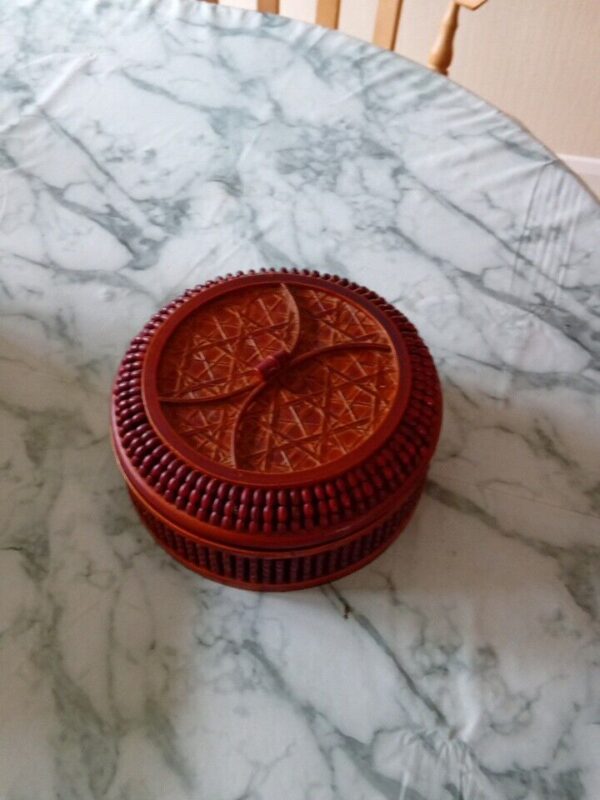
{"x":268,"y":6}
{"x":440,"y":56}
{"x":387,"y":22}
{"x":328,"y":13}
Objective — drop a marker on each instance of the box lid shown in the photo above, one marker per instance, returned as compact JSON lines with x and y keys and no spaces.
{"x":275,"y":409}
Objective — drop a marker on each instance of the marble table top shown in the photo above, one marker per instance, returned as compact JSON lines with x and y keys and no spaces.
{"x":147,"y":146}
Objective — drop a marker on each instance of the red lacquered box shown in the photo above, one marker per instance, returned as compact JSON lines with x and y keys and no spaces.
{"x":275,"y":428}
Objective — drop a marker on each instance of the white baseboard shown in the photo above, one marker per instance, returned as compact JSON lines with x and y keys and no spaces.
{"x":582,"y":165}
{"x":587,"y":168}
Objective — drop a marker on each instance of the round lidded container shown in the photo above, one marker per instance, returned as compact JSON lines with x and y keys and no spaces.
{"x":274,"y":429}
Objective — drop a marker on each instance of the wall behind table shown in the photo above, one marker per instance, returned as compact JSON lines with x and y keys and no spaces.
{"x":538,"y":60}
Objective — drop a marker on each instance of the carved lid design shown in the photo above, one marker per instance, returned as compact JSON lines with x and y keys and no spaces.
{"x":274,"y":378}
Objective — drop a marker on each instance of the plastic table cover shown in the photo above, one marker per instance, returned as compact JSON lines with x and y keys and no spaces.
{"x":150,"y":146}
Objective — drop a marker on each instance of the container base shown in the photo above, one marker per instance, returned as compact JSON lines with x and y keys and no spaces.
{"x":285,"y":571}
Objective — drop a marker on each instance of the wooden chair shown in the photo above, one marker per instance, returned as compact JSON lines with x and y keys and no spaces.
{"x":387,"y":23}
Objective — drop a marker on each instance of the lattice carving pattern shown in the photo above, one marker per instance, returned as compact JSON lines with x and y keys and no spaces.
{"x":313,"y":411}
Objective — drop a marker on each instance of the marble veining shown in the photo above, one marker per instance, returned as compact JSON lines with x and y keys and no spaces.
{"x":147,"y":146}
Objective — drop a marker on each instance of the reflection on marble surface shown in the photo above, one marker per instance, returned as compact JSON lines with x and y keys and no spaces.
{"x":147,"y":146}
